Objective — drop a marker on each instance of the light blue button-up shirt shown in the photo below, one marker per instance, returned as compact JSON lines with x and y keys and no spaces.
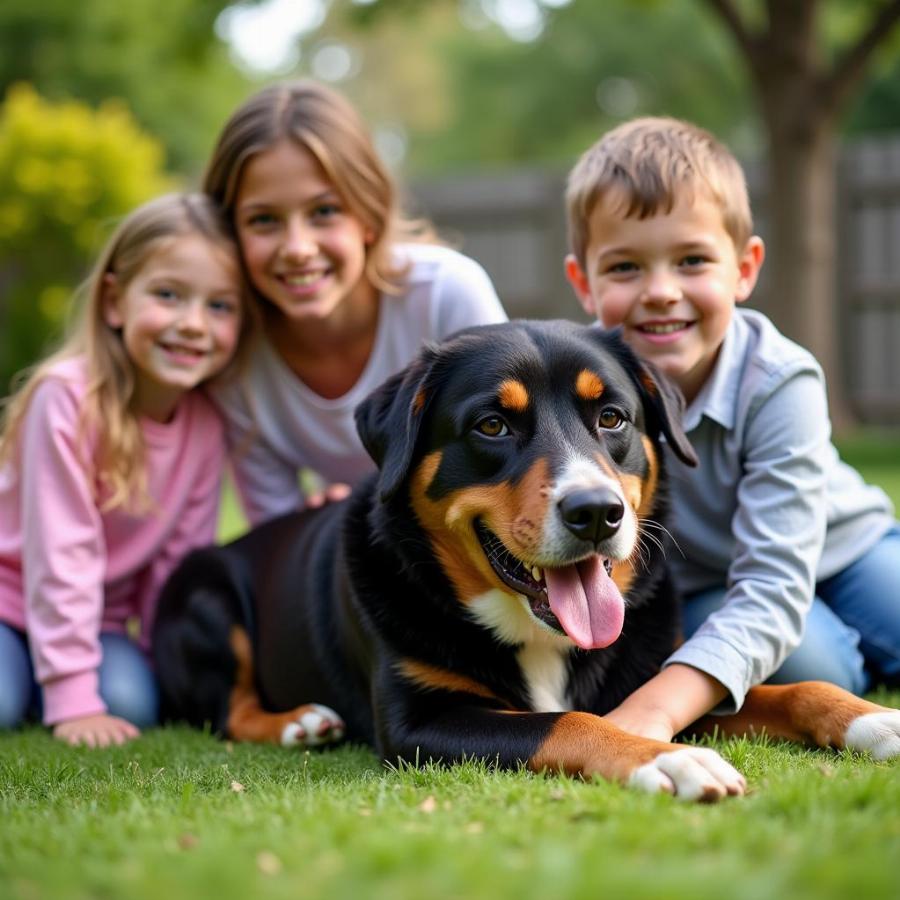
{"x":770,"y":510}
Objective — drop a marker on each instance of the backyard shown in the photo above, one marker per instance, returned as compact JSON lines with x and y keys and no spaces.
{"x":180,"y":814}
{"x":478,"y":108}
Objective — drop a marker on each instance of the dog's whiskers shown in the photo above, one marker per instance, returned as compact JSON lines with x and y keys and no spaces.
{"x":651,"y":524}
{"x":642,"y":555}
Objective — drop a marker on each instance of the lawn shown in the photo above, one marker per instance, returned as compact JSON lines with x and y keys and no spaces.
{"x":179,"y":814}
{"x":877,"y":456}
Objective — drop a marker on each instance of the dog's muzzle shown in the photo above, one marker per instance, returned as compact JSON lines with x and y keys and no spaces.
{"x":577,"y":597}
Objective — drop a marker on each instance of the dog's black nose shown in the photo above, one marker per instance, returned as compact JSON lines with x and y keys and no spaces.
{"x":592,"y":515}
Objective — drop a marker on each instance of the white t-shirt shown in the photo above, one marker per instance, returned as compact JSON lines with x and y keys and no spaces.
{"x":277,"y":425}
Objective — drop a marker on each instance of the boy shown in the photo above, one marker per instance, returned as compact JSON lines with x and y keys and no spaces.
{"x":774,"y":530}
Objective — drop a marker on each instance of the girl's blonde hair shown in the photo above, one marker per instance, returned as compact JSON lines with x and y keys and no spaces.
{"x":120,"y":454}
{"x":648,"y":164}
{"x":323,"y":122}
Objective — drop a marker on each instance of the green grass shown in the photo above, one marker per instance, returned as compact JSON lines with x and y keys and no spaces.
{"x":232,"y":523}
{"x":876,"y":455}
{"x":178,"y":814}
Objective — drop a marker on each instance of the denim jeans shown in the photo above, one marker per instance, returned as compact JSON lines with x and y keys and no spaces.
{"x":127,"y":685}
{"x":852,"y":634}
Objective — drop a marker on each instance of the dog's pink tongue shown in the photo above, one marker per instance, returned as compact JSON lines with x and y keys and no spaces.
{"x":587,"y":603}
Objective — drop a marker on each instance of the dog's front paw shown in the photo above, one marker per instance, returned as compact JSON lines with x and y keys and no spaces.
{"x":690,"y":773}
{"x":312,"y":725}
{"x":878,"y":733}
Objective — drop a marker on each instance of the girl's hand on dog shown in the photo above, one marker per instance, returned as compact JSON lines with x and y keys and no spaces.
{"x":330,"y":494}
{"x":100,"y":730}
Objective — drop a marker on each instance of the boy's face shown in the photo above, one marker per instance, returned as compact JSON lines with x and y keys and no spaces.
{"x":671,"y":280}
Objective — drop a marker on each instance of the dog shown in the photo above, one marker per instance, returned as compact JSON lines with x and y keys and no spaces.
{"x":491,"y":592}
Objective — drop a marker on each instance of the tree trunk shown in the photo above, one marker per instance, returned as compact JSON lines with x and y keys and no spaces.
{"x":800,"y":98}
{"x":801,"y":274}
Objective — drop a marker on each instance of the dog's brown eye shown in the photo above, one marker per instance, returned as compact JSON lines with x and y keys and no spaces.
{"x":492,"y":426}
{"x":611,"y":419}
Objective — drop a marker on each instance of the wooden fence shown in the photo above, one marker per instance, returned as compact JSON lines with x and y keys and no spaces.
{"x":514,"y":224}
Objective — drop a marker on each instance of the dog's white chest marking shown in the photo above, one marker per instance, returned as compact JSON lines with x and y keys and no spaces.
{"x":543,"y":652}
{"x":545,"y":670}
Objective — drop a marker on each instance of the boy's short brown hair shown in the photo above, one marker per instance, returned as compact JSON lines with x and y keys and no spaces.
{"x":647,"y":162}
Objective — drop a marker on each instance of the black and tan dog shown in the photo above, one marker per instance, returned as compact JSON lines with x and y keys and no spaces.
{"x":492,"y":592}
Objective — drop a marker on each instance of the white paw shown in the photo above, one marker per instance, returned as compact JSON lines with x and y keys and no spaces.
{"x":315,"y":725}
{"x":879,"y":733}
{"x":690,"y":773}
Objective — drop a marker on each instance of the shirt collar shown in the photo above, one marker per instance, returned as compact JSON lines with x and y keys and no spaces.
{"x":717,"y":399}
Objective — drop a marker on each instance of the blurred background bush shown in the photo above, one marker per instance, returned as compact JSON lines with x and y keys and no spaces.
{"x":66,"y":171}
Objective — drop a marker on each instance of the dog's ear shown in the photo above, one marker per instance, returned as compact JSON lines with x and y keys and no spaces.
{"x":664,"y":403}
{"x":663,"y":400}
{"x":388,"y":420}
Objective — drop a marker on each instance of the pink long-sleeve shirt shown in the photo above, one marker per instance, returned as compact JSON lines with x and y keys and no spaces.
{"x":69,"y":571}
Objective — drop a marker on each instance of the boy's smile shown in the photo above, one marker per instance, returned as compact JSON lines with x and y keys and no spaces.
{"x":670,"y":280}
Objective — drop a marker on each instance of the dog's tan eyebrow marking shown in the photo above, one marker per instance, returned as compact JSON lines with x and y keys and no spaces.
{"x":588,"y":385}
{"x":436,"y":678}
{"x":513,"y":395}
{"x":418,"y":403}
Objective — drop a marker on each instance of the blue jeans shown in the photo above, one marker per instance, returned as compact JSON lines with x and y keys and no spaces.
{"x":127,"y":685}
{"x":852,"y":635}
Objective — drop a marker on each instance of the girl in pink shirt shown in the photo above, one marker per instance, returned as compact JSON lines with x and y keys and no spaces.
{"x":110,"y":468}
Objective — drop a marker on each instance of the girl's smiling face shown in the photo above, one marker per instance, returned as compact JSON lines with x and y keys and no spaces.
{"x":304,"y":249}
{"x":671,"y":280}
{"x":179,"y":318}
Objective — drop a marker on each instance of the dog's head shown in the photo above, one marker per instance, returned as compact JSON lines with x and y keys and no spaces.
{"x":530,"y":455}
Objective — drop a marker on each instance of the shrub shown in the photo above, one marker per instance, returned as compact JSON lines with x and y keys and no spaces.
{"x":67,"y":173}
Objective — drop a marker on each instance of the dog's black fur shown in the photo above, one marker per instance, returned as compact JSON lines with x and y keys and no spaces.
{"x":414,"y":611}
{"x":353,"y":605}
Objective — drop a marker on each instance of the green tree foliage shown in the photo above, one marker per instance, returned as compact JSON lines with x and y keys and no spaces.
{"x":541,"y":100}
{"x":162,"y":58}
{"x":592,"y":65}
{"x":67,"y":173}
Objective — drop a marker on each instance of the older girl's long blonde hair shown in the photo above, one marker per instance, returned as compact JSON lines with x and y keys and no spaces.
{"x":327,"y":125}
{"x":119,"y":460}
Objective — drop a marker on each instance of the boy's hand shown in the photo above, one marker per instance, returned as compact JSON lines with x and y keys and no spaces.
{"x":96,"y":731}
{"x":668,"y":703}
{"x":645,"y":722}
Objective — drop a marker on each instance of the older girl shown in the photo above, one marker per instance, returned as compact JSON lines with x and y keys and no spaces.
{"x":348,"y":287}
